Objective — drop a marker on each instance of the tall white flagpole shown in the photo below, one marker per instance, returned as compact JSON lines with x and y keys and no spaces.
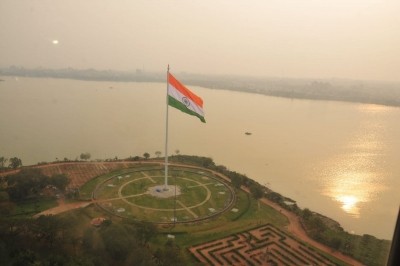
{"x":166,"y":137}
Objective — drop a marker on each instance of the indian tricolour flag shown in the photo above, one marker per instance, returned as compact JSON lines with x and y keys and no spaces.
{"x":183,"y":99}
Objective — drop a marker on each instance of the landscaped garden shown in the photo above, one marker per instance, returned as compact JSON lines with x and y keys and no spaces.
{"x":205,"y":215}
{"x":191,"y":195}
{"x":216,"y":223}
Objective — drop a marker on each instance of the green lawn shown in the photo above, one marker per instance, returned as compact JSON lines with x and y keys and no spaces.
{"x":201,"y":194}
{"x":196,"y":186}
{"x":245,"y":213}
{"x":227,"y":224}
{"x":31,"y":207}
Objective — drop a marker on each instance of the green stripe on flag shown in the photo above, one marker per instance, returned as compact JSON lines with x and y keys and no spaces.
{"x":178,"y":105}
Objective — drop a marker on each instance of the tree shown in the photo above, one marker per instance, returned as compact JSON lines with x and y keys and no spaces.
{"x":316,"y":225}
{"x":177,"y":151}
{"x":47,"y":229}
{"x":6,"y":207}
{"x":171,"y":254}
{"x":15,"y":162}
{"x":275,"y":197}
{"x":158,"y":153}
{"x":306,"y":214}
{"x":4,"y":196}
{"x":335,"y":242}
{"x":25,"y":257}
{"x":26,"y":183}
{"x":85,"y":156}
{"x":3,"y":162}
{"x":236,"y":181}
{"x":256,"y":191}
{"x":145,"y":231}
{"x":60,"y":181}
{"x":146,"y":155}
{"x":117,"y":241}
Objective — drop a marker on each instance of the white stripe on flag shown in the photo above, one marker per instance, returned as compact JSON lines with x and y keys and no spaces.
{"x":173,"y":92}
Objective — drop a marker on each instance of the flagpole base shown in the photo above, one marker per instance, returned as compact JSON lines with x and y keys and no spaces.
{"x":159,"y":191}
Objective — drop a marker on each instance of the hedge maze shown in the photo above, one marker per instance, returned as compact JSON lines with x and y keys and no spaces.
{"x":265,"y":245}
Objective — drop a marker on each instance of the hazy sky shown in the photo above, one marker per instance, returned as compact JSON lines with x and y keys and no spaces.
{"x":357,"y":39}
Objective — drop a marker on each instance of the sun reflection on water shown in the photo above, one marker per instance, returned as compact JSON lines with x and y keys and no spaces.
{"x":349,"y":203}
{"x":355,"y":178}
{"x":351,"y":188}
{"x":373,"y":108}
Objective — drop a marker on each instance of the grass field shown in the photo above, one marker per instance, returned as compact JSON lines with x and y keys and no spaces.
{"x":126,"y":193}
{"x":123,"y":192}
{"x":248,"y":216}
{"x":29,"y":208}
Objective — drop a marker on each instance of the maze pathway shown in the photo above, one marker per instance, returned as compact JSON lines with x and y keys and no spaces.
{"x":264,"y":245}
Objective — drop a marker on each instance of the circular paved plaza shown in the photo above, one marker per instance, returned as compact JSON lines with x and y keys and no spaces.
{"x":141,"y":194}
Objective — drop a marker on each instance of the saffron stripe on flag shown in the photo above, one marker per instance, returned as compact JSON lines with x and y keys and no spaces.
{"x":187,"y":102}
{"x":180,"y":87}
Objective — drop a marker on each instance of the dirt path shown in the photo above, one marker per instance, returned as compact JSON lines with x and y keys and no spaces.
{"x":63,"y":207}
{"x":294,"y":226}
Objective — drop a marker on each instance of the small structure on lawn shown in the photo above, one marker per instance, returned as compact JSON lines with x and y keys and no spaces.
{"x":97,"y":221}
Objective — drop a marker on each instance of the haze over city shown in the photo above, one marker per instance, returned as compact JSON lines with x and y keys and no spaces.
{"x":355,"y":39}
{"x":296,"y":162}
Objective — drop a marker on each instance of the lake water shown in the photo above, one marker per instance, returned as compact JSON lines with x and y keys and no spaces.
{"x":339,"y":159}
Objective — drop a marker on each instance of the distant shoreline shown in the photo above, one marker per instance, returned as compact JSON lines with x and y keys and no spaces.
{"x":365,"y":92}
